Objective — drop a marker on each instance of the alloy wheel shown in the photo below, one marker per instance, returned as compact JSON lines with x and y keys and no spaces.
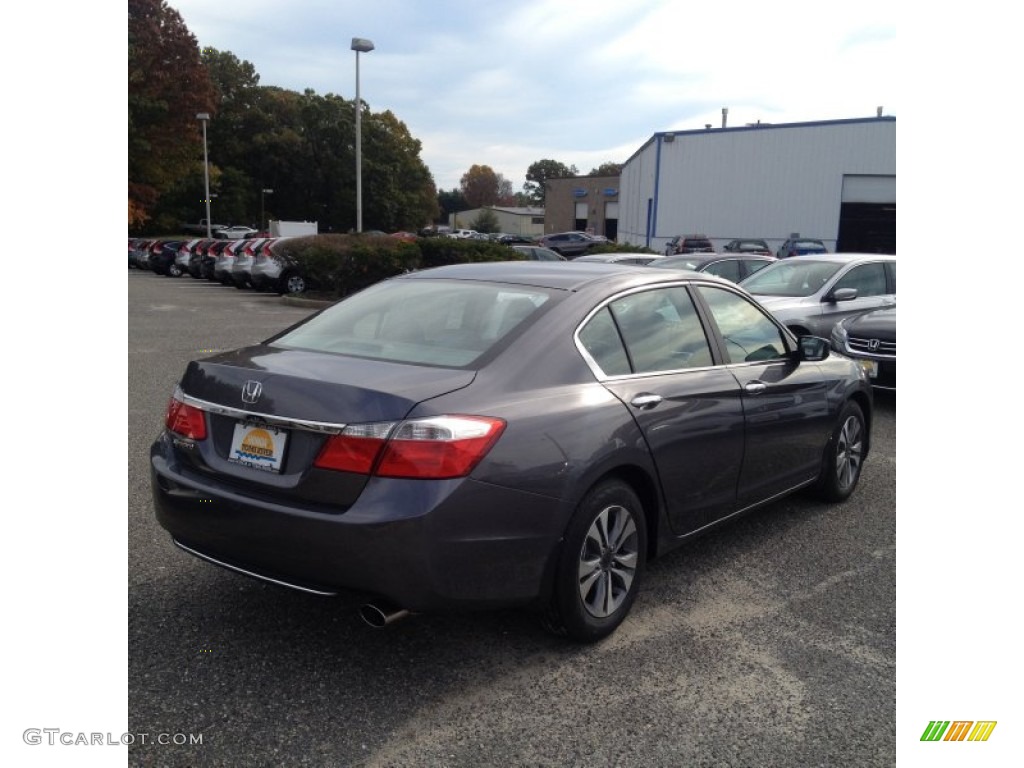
{"x":849,"y":452}
{"x":608,"y":561}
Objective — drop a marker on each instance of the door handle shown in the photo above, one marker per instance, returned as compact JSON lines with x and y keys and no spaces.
{"x":755,"y":387}
{"x":645,"y":400}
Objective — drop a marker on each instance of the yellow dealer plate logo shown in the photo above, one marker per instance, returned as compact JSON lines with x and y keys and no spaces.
{"x":258,"y":446}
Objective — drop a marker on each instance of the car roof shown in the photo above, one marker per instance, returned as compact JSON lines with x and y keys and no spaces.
{"x":844,"y":258}
{"x":702,"y":258}
{"x":563,"y":275}
{"x":617,"y":255}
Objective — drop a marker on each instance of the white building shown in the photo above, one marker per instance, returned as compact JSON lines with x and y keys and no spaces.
{"x":512,"y":221}
{"x":832,"y":180}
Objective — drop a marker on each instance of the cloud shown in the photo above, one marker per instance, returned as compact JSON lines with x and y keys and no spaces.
{"x":506,"y":85}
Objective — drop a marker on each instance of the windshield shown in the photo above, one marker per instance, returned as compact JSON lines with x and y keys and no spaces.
{"x":798,"y":276}
{"x":449,"y":324}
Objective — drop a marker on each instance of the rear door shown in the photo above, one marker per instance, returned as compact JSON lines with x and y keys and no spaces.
{"x":653,"y":351}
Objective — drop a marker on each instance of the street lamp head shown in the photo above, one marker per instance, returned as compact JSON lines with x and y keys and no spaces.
{"x":268,"y":191}
{"x":203,"y":116}
{"x":362,"y":45}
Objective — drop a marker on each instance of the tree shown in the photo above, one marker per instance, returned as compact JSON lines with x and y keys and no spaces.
{"x":480,"y":186}
{"x":450,"y":202}
{"x":486,"y":221}
{"x":540,"y":172}
{"x":506,"y":196}
{"x":398,"y":190}
{"x":607,"y":169}
{"x":167,"y":87}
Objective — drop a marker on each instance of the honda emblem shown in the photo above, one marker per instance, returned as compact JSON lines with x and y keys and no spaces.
{"x":251,"y":391}
{"x":872,"y":345}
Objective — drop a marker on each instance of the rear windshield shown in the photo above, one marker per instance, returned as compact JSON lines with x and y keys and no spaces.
{"x":448,"y":324}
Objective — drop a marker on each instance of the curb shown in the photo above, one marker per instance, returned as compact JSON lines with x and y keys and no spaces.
{"x":296,"y":301}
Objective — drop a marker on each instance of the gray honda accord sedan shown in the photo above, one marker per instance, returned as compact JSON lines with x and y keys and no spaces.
{"x":516,"y":433}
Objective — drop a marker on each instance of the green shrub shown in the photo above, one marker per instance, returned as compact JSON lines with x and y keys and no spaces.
{"x":438,"y":251}
{"x":339,"y":265}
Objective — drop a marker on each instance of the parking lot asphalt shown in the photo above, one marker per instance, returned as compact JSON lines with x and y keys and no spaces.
{"x":770,"y":642}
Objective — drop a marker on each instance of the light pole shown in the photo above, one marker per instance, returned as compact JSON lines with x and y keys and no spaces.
{"x":359,"y":45}
{"x":263,"y":220}
{"x":203,"y":117}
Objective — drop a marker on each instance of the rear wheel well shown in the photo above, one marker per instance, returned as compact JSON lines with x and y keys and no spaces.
{"x":644,"y":487}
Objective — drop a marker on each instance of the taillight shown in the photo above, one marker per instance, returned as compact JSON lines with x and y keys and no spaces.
{"x":355,"y":449}
{"x":435,"y":448}
{"x":185,"y":420}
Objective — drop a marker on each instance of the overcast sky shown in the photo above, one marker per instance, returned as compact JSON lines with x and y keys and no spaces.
{"x":581,"y":82}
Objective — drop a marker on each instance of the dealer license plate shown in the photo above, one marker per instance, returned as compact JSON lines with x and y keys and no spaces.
{"x":258,"y":446}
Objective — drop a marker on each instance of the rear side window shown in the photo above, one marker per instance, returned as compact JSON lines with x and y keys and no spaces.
{"x":446,"y":324}
{"x":601,"y":339}
{"x":647,"y":332}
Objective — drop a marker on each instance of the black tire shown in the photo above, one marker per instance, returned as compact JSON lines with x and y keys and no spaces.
{"x":844,"y":455}
{"x":174,"y":270}
{"x":606,"y":541}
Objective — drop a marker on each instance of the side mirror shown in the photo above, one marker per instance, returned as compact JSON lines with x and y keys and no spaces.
{"x":813,"y":348}
{"x":842,"y":294}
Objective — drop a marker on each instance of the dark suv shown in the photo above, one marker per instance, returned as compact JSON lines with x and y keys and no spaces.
{"x":689,"y":244}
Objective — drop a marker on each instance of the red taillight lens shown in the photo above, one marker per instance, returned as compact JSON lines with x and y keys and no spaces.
{"x":433,"y":448}
{"x":185,"y":420}
{"x":355,"y":449}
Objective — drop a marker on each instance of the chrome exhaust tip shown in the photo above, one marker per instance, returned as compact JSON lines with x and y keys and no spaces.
{"x":379,"y":615}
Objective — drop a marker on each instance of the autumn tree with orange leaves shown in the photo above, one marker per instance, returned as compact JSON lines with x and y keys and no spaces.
{"x":167,"y":87}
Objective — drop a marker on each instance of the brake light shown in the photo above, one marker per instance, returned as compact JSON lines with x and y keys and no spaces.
{"x":432,"y":448}
{"x":185,"y":420}
{"x":355,"y":449}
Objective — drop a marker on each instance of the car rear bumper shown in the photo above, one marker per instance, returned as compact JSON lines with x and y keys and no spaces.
{"x":425,"y":545}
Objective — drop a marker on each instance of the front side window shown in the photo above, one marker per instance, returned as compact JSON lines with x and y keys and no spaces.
{"x":749,"y":335}
{"x":868,"y":279}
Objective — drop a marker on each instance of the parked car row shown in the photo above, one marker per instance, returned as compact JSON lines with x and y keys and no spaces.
{"x":794,"y":246}
{"x":248,"y":263}
{"x":847,"y":298}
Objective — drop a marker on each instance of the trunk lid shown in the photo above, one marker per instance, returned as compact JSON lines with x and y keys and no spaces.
{"x":286,"y":403}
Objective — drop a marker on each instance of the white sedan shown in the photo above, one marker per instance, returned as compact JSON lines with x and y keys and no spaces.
{"x":235,"y":233}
